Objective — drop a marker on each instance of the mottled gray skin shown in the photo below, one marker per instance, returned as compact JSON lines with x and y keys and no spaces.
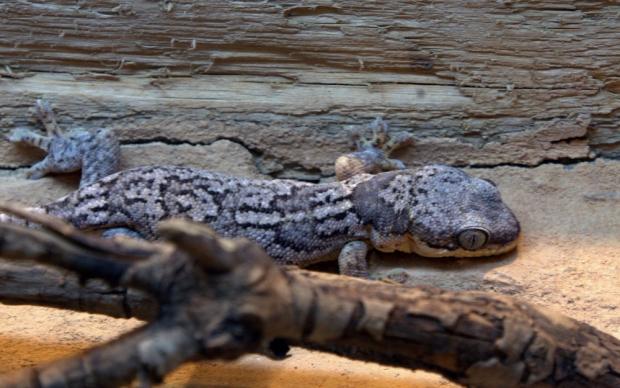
{"x":434,"y":210}
{"x":298,"y":223}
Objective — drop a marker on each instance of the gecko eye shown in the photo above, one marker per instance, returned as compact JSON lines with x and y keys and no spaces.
{"x":473,"y":238}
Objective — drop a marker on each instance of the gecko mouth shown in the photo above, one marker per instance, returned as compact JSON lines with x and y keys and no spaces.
{"x":414,"y":244}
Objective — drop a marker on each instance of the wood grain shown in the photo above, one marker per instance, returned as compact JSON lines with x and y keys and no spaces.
{"x":476,"y":83}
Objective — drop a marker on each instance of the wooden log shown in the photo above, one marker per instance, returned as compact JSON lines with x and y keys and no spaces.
{"x":220,"y":298}
{"x":481,"y":83}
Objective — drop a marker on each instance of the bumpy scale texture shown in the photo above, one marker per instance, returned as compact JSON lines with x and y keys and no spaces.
{"x":295,"y":222}
{"x":299,"y":223}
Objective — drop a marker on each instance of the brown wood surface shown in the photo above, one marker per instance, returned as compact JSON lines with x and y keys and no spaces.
{"x":477,"y":83}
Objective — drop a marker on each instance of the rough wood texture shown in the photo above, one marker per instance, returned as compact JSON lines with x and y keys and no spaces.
{"x":221,"y":298}
{"x":476,"y":83}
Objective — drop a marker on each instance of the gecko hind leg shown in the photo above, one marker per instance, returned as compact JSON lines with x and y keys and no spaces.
{"x":96,"y":152}
{"x":44,"y":114}
{"x":371,"y":155}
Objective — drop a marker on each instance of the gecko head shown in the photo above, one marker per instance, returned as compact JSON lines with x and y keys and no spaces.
{"x":436,"y":211}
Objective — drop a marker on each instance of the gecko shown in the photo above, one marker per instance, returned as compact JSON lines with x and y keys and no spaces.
{"x":432,"y":211}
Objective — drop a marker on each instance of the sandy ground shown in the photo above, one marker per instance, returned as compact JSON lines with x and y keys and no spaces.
{"x":568,"y":259}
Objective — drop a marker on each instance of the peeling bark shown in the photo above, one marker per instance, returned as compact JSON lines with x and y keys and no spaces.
{"x":475,"y":83}
{"x":220,"y":298}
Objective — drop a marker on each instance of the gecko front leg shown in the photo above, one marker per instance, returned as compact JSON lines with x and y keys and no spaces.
{"x":352,"y":259}
{"x":371,"y":157}
{"x":96,"y":152}
{"x":372,"y":152}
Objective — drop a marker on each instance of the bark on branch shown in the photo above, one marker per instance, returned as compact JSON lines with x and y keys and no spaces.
{"x":220,"y":298}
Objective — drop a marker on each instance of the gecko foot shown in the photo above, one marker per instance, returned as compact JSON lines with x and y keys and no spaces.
{"x":372,"y":152}
{"x":44,"y":113}
{"x":96,"y":152}
{"x":381,"y":138}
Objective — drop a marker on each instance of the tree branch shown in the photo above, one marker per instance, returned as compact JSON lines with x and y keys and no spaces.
{"x":220,"y":298}
{"x":29,"y":283}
